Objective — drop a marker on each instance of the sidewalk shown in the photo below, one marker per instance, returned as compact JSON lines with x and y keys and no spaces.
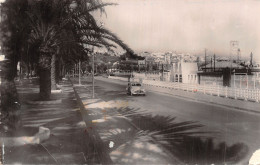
{"x":120,"y":140}
{"x":52,"y":133}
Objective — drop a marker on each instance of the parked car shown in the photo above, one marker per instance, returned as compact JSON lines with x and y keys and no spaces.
{"x":135,"y":88}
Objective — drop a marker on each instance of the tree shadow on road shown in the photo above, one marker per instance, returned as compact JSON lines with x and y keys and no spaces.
{"x":184,"y":140}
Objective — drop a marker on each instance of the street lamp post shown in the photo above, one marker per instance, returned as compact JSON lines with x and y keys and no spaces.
{"x":93,"y":81}
{"x":93,"y":67}
{"x":109,"y":67}
{"x":79,"y":73}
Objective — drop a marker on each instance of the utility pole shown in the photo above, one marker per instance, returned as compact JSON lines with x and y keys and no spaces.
{"x":205,"y":59}
{"x":93,"y":81}
{"x":211,"y":64}
{"x":162,"y":71}
{"x":214,"y":61}
{"x":238,"y":56}
{"x":79,"y":72}
{"x":20,"y":75}
{"x":74,"y":70}
{"x":251,"y":59}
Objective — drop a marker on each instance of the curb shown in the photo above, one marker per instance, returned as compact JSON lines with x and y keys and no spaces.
{"x":58,"y":101}
{"x":100,"y":146}
{"x":107,"y":159}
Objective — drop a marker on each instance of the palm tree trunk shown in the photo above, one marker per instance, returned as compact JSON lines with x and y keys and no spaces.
{"x":45,"y":77}
{"x":45,"y":84}
{"x":57,"y":72}
{"x":53,"y":72}
{"x":63,"y":71}
{"x":28,"y":70}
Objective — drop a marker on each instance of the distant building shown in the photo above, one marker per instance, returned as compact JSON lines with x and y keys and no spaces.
{"x":141,"y":62}
{"x":149,"y":62}
{"x":167,"y":58}
{"x":185,"y":72}
{"x":189,"y":72}
{"x":159,"y":60}
{"x":220,"y":65}
{"x":2,"y":57}
{"x":257,"y":64}
{"x":220,"y":72}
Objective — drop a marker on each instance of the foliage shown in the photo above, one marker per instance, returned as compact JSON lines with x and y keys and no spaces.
{"x":130,"y":56}
{"x":45,"y":27}
{"x":36,"y":31}
{"x":14,"y":33}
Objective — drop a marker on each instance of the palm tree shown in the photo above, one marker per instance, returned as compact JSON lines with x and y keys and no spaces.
{"x":14,"y":33}
{"x":44,"y":18}
{"x":62,"y":29}
{"x":81,"y":30}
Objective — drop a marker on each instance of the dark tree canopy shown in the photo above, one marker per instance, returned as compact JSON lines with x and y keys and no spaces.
{"x":41,"y":32}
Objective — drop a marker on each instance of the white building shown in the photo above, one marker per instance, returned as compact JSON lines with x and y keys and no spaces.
{"x":185,"y":72}
{"x":2,"y":57}
{"x":141,"y":62}
{"x":189,"y":72}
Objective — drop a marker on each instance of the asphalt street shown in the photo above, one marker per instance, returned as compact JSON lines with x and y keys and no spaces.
{"x":229,"y":125}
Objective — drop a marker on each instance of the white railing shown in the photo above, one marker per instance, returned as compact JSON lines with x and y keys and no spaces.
{"x":123,"y":73}
{"x":118,"y":78}
{"x":236,"y":93}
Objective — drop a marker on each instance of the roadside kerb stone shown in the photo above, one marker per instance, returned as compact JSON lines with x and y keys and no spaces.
{"x":58,"y":101}
{"x":99,"y":145}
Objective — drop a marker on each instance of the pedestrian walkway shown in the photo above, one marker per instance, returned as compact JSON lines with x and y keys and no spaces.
{"x":52,"y":133}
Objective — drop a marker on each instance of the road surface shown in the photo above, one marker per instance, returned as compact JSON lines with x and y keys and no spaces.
{"x":232,"y":126}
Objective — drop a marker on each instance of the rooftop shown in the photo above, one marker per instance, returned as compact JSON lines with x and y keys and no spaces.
{"x":224,"y":64}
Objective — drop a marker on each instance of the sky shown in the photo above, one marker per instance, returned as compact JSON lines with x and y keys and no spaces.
{"x":186,"y":25}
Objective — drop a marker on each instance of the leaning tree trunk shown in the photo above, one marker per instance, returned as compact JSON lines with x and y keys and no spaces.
{"x":63,"y":70}
{"x":53,"y":72}
{"x":57,"y":72}
{"x":45,"y":77}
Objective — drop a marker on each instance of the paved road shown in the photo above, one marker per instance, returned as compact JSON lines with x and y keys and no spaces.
{"x":232,"y":126}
